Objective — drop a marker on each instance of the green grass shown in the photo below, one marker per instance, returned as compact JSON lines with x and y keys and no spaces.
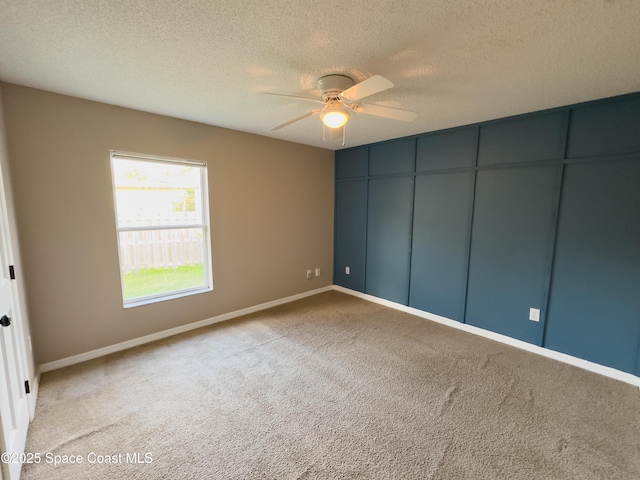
{"x":153,"y":281}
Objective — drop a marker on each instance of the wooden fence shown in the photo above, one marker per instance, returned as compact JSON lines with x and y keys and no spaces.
{"x":161,"y":248}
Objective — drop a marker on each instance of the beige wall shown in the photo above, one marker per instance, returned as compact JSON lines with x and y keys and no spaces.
{"x":271,"y":216}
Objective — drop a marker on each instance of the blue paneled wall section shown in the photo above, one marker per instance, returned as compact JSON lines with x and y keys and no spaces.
{"x":389,"y":219}
{"x":439,"y":257}
{"x":351,"y":218}
{"x":595,"y":299}
{"x":484,"y":222}
{"x":351,"y":229}
{"x":513,"y":225}
{"x":389,"y":238}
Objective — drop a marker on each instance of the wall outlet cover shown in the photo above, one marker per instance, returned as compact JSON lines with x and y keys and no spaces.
{"x":347,"y":270}
{"x":534,"y":314}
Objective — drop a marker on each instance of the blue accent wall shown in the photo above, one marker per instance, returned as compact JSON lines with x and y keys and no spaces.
{"x":605,"y":128}
{"x":448,"y":149}
{"x":352,"y":163}
{"x":397,"y":156}
{"x":441,"y":243}
{"x":483,"y":222}
{"x":536,"y":137}
{"x":595,"y":300}
{"x":513,"y":226}
{"x":389,"y":238}
{"x":350,"y":234}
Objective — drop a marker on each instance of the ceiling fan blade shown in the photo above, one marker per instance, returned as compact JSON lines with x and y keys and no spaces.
{"x":387,"y":112}
{"x":315,"y":100}
{"x":286,"y":124}
{"x":367,"y":87}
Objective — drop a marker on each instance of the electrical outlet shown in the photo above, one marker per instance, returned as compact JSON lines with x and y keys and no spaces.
{"x":309,"y":275}
{"x":347,"y":270}
{"x":318,"y":272}
{"x":534,"y":314}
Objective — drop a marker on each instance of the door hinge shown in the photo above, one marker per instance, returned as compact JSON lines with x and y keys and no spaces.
{"x":12,"y":272}
{"x":26,"y":386}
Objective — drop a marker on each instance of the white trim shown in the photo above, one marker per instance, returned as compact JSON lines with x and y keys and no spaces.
{"x":154,"y":158}
{"x":100,"y":352}
{"x":161,"y":297}
{"x":205,"y":227}
{"x":149,"y":228}
{"x":562,"y":357}
{"x":33,"y":396}
{"x":545,"y":352}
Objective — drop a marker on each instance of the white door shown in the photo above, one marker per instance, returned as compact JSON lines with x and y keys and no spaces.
{"x":14,"y":406}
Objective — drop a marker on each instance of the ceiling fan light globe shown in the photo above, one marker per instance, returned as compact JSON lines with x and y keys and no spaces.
{"x":335,"y":118}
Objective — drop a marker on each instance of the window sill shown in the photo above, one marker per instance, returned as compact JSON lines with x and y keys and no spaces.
{"x":162,"y":298}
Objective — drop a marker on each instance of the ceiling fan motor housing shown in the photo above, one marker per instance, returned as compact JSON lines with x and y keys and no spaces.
{"x":331,"y":86}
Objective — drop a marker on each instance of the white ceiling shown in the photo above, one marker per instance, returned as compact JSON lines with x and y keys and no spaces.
{"x":454,"y":62}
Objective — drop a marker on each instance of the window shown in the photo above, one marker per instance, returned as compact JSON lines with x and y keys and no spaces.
{"x":162,"y":218}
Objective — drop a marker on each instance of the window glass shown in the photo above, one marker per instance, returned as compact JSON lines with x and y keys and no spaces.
{"x":162,"y":223}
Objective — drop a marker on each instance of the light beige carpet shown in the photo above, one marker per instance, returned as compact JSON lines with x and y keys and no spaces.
{"x":333,"y":387}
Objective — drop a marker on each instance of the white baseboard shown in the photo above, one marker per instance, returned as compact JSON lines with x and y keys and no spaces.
{"x":562,"y":357}
{"x":100,"y":352}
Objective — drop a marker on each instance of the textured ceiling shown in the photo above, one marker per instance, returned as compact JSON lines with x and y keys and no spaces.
{"x":454,"y":62}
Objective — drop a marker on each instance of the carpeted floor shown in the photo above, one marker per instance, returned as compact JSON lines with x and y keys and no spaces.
{"x":332,"y":387}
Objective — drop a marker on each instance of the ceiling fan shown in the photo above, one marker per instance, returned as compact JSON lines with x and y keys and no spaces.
{"x":340,"y":96}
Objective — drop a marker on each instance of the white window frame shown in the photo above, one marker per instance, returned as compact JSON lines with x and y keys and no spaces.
{"x":205,"y":226}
